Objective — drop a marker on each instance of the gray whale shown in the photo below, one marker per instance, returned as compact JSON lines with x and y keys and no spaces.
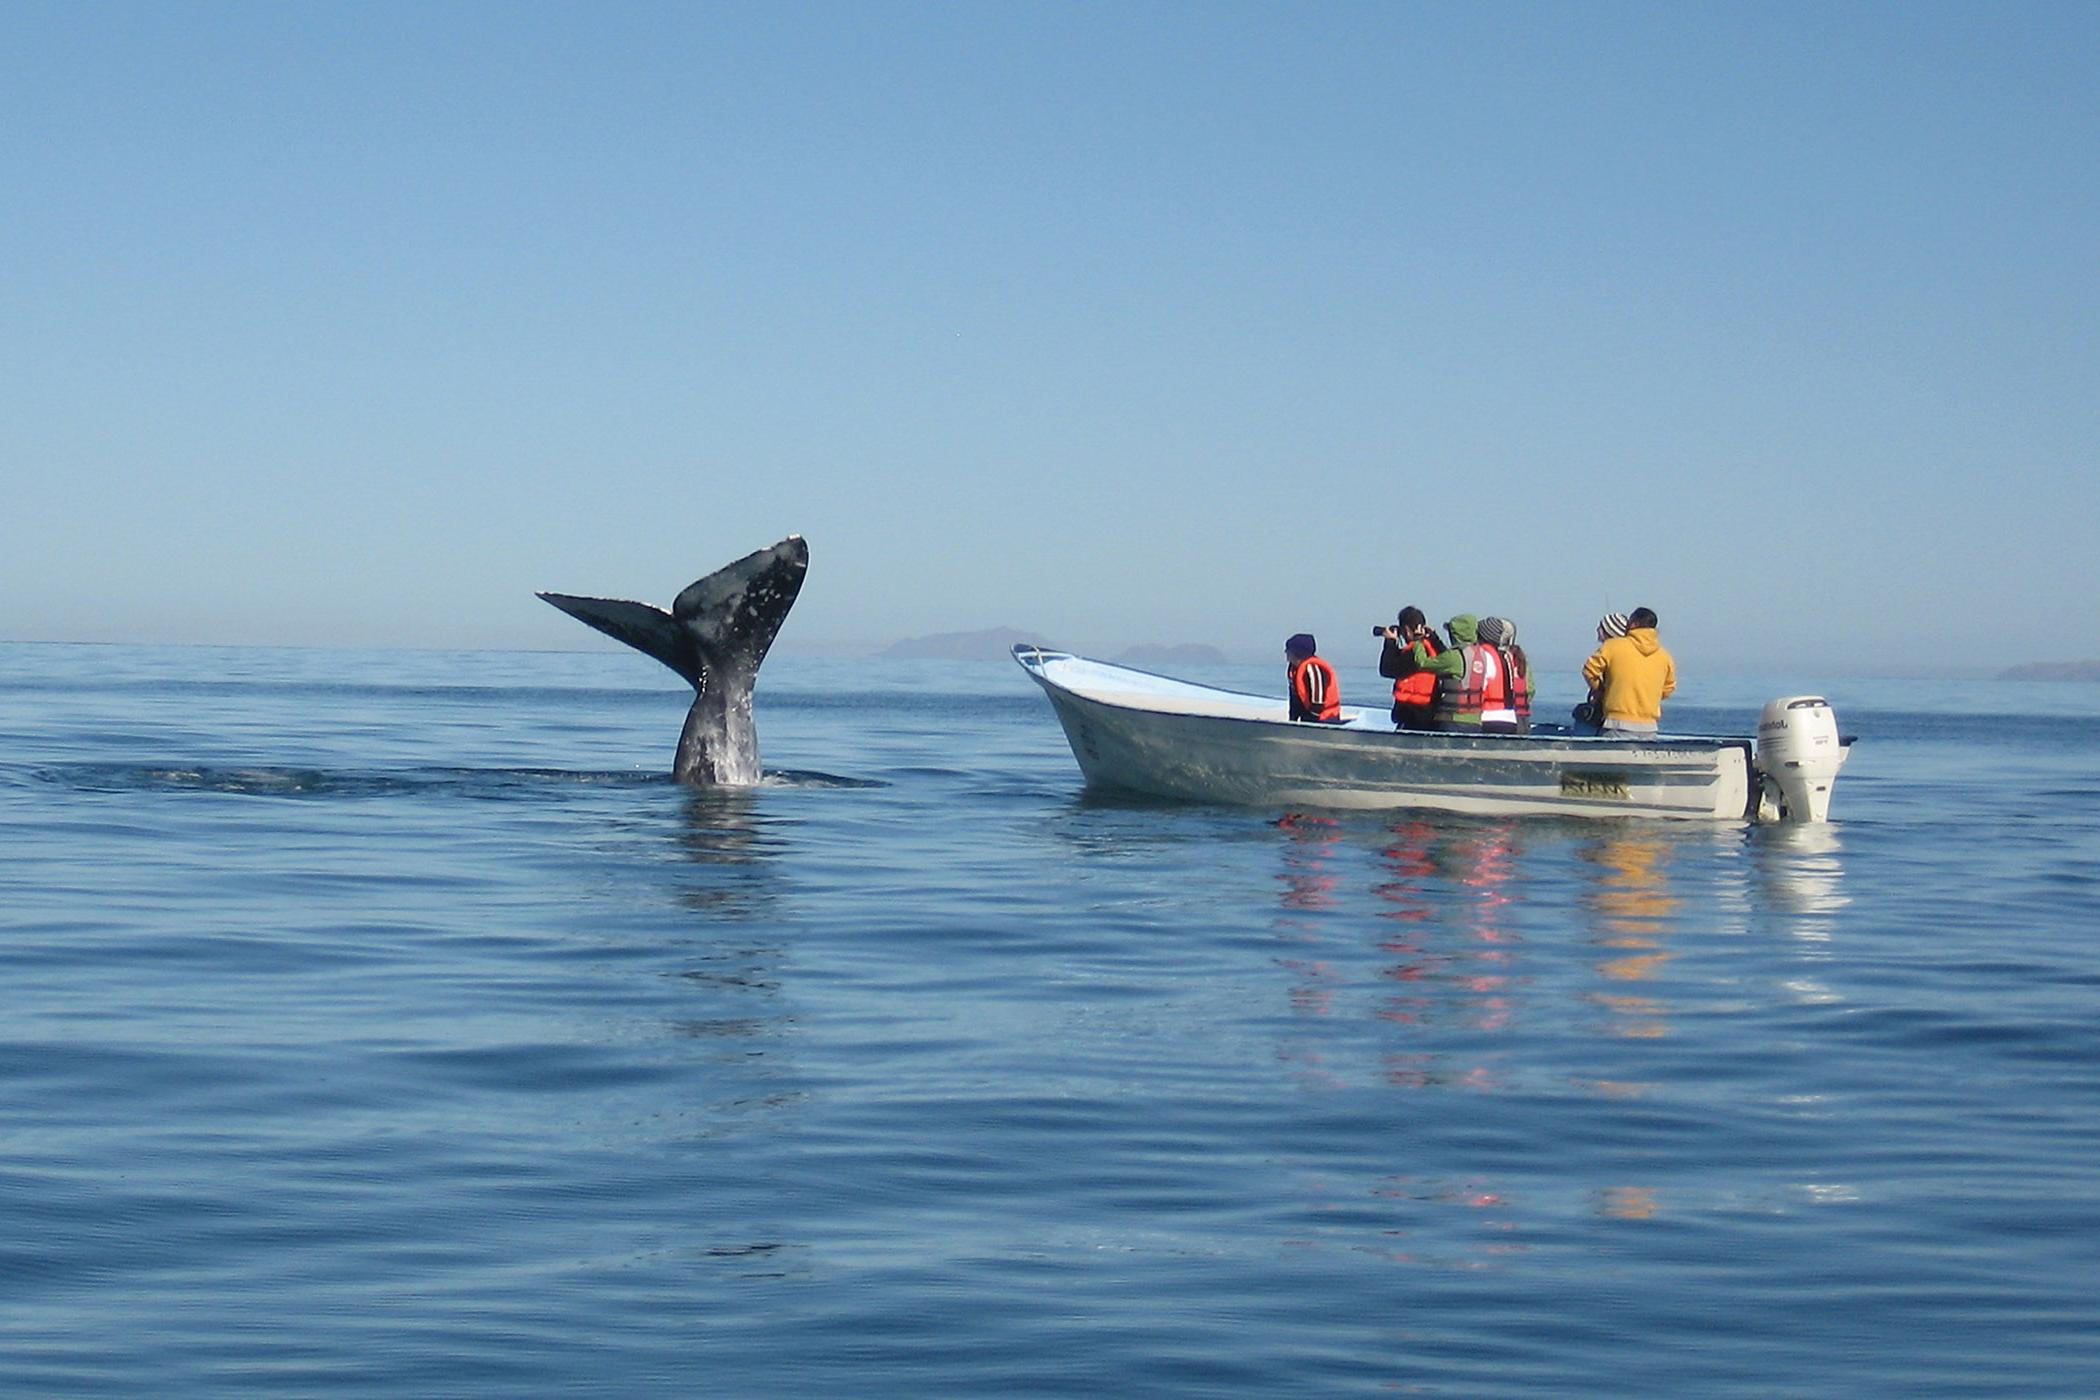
{"x":715,"y":635}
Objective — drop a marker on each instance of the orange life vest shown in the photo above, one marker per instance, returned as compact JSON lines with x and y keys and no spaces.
{"x":1314,"y":687}
{"x":1418,"y":687}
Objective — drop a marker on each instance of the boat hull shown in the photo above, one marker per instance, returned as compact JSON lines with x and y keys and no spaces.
{"x":1174,"y":740}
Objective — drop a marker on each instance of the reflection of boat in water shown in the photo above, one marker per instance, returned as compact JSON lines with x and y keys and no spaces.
{"x":1803,"y":870}
{"x":1168,"y":738}
{"x":1634,"y":913}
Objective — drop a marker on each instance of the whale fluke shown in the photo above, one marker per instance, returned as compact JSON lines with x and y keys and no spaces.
{"x":715,"y":635}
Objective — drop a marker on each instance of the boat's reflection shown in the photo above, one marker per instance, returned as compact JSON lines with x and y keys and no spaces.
{"x":1306,"y":887}
{"x":1800,"y":871}
{"x":1307,"y":882}
{"x":1448,"y":945}
{"x":1440,"y":979}
{"x":1444,"y":956}
{"x":1799,"y":878}
{"x":1631,"y":913}
{"x":1511,"y":975}
{"x":1453,"y":898}
{"x":1464,"y":995}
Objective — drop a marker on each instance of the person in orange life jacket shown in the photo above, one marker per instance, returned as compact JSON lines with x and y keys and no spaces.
{"x":1589,"y":715}
{"x":1508,"y":712}
{"x":1632,"y":675}
{"x":1472,"y":678}
{"x":1410,"y":645}
{"x":1315,"y":694}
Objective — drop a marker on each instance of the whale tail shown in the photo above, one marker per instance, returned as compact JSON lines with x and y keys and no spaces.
{"x":640,"y":626}
{"x":717,"y":632}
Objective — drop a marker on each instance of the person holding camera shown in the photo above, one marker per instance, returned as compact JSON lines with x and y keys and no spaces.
{"x":1411,"y":644}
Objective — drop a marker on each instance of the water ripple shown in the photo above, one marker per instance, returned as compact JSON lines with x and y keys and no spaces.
{"x":397,"y":1026}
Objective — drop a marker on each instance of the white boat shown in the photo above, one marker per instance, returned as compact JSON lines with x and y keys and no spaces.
{"x":1143,"y":733}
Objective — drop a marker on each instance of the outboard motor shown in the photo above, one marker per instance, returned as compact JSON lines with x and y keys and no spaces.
{"x":1798,"y":757}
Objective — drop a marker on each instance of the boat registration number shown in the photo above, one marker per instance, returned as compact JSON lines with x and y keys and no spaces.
{"x":1594,"y":785}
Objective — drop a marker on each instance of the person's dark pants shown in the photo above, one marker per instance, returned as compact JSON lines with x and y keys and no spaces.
{"x":1412,"y":717}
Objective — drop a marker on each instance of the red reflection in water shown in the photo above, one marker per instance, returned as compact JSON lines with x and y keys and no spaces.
{"x":1451,"y":880}
{"x":1306,"y":882}
{"x":1444,"y":977}
{"x":1447,"y":892}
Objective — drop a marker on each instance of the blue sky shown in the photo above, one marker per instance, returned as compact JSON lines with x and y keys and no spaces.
{"x":355,"y":324}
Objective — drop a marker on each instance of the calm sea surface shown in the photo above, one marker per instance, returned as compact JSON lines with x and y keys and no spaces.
{"x":388,"y":1022}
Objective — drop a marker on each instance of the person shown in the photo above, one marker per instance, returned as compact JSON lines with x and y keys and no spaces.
{"x":1505,"y":709}
{"x":1632,"y":675}
{"x":1590,"y":713}
{"x":1410,"y":645}
{"x":1315,"y":694}
{"x":1471,"y":678}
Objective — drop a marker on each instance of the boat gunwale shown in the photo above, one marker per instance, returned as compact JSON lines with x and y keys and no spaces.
{"x":1024,"y":654}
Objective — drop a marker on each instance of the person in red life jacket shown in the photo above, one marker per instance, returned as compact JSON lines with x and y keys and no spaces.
{"x":1505,"y":708}
{"x":1315,"y":693}
{"x":1410,"y":645}
{"x":1473,"y":677}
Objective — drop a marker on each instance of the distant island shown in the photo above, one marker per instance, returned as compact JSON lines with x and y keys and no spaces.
{"x":2053,"y":671}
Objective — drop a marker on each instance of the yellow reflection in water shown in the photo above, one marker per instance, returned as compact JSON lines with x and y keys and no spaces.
{"x":1627,"y":1202}
{"x":1633,"y":911}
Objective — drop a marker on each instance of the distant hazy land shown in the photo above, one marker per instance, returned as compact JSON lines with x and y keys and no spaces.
{"x":2053,"y":671}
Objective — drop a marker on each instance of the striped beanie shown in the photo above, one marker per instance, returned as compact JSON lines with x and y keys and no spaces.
{"x":1611,"y":625}
{"x":1495,"y":631}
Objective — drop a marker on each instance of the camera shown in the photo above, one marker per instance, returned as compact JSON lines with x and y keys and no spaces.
{"x":1382,"y":628}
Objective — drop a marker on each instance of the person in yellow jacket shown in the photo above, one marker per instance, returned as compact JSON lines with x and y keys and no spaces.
{"x":1631,"y":676}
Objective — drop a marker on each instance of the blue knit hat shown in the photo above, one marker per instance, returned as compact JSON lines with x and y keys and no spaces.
{"x":1301,"y":644}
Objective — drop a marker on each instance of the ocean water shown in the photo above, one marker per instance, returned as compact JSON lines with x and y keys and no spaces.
{"x":389,"y":1023}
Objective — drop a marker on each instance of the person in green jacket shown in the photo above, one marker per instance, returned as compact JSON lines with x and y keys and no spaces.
{"x":1469,"y":674}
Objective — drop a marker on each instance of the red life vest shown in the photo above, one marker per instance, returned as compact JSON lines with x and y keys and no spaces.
{"x":1314,"y":688}
{"x":1519,"y":693}
{"x":1480,"y":687}
{"x":1505,"y":690}
{"x":1417,"y":687}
